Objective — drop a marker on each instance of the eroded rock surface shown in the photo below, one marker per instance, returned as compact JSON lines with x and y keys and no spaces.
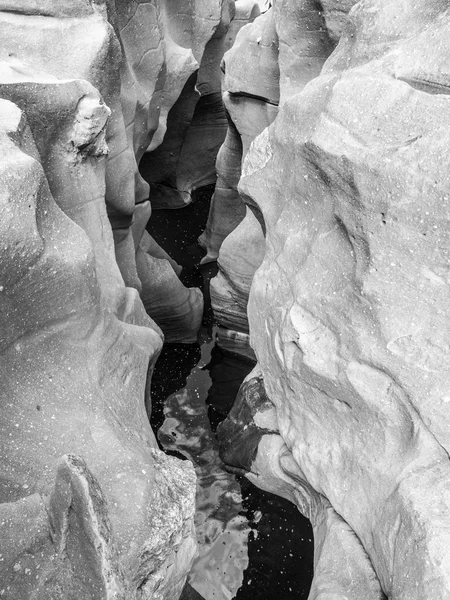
{"x":185,"y":159}
{"x":348,"y":311}
{"x":272,"y":60}
{"x":89,"y":507}
{"x":251,"y":95}
{"x":139,"y":77}
{"x":252,"y":445}
{"x":75,"y":361}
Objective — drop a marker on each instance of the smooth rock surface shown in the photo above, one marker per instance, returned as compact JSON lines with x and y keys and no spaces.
{"x":133,"y":59}
{"x":184,"y":160}
{"x":348,"y":311}
{"x":176,"y":309}
{"x":73,"y":380}
{"x":272,"y":59}
{"x":251,"y":95}
{"x":231,"y":286}
{"x":89,"y":507}
{"x":250,"y":443}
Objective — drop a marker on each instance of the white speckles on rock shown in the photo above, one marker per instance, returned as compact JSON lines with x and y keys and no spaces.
{"x":356,"y":236}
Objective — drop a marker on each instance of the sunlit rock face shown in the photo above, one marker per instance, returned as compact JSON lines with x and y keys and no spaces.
{"x":139,"y":76}
{"x":349,"y":309}
{"x":272,"y":60}
{"x":89,"y":507}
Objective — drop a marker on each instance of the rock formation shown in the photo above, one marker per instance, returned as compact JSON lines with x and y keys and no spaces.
{"x":347,"y":412}
{"x":138,"y":93}
{"x":251,"y":95}
{"x":330,"y":213}
{"x":89,"y":507}
{"x":185,"y":160}
{"x":272,"y":60}
{"x":75,"y":349}
{"x":341,"y":566}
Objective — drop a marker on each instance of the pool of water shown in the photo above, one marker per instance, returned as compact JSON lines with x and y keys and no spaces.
{"x":252,"y":545}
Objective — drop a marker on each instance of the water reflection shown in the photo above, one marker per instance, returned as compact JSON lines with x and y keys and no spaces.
{"x":227,"y":371}
{"x":280,"y":548}
{"x":222,"y":528}
{"x":253,"y":545}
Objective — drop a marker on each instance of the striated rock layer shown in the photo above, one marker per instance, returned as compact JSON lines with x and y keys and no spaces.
{"x":349,"y":309}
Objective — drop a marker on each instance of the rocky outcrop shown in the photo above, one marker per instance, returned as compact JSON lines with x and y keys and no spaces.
{"x":185,"y":159}
{"x":89,"y":507}
{"x":76,"y":348}
{"x":272,"y":60}
{"x":129,"y":70}
{"x":349,"y":309}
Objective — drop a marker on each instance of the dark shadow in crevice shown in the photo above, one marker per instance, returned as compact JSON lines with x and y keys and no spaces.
{"x":280,"y":546}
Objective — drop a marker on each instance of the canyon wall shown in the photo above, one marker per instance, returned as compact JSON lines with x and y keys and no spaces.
{"x":272,"y":59}
{"x":90,"y":508}
{"x":184,"y":160}
{"x":346,"y":413}
{"x":329,"y":223}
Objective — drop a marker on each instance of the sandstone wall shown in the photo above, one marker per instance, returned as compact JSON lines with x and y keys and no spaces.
{"x":185,"y":160}
{"x":348,"y":310}
{"x":82,"y":482}
{"x":271,"y":60}
{"x":89,"y":507}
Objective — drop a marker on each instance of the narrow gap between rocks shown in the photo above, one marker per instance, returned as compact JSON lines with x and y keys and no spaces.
{"x":252,"y":544}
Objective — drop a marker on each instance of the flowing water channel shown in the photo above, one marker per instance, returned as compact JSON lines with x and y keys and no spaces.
{"x":252,"y":544}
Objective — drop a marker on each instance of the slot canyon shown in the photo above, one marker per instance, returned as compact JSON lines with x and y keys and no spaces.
{"x":224,"y":300}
